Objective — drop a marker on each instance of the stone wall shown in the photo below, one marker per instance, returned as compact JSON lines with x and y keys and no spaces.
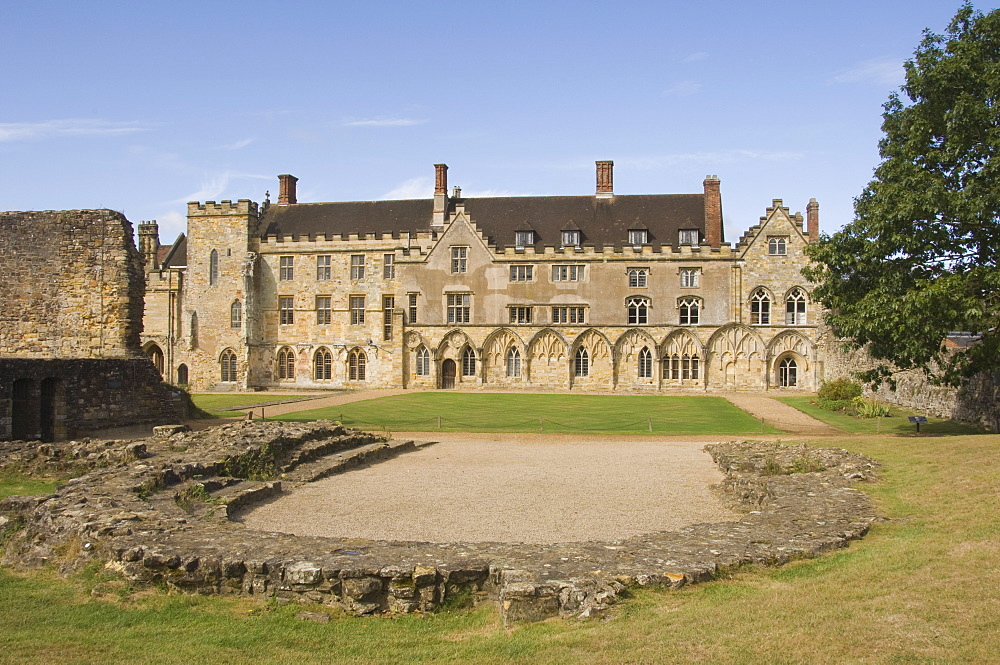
{"x":56,"y":399}
{"x":71,"y":288}
{"x":975,"y":402}
{"x":71,"y":284}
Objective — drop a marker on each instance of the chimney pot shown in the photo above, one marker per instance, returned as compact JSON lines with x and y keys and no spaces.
{"x":605,"y":179}
{"x":812,"y":220}
{"x":286,"y":192}
{"x":440,"y":179}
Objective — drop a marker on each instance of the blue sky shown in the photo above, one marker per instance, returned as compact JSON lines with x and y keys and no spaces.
{"x":141,"y":107}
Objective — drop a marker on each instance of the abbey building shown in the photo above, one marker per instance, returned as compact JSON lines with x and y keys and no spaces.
{"x":600,"y":292}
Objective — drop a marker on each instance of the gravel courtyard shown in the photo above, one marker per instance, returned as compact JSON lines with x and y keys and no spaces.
{"x":509,"y":488}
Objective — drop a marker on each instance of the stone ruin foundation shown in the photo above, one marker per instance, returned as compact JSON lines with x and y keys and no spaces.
{"x":162,"y":510}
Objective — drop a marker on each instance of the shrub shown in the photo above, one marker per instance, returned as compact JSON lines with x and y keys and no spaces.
{"x":870,"y":409}
{"x":842,"y":405}
{"x":841,"y":389}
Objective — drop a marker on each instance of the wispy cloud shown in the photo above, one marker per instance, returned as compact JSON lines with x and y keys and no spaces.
{"x":692,"y":57}
{"x":882,"y":71}
{"x":414,"y":188}
{"x":26,"y":131}
{"x":217,"y":183}
{"x":683,"y":89}
{"x":719,"y":157}
{"x":381,"y":122}
{"x":236,"y":146}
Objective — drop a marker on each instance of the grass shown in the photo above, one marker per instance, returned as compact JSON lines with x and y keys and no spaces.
{"x":502,"y":412}
{"x":895,"y":423}
{"x":920,"y":588}
{"x":13,"y":484}
{"x":218,"y":405}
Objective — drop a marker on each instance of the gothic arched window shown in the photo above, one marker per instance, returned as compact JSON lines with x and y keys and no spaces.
{"x":323,"y":365}
{"x":286,"y":364}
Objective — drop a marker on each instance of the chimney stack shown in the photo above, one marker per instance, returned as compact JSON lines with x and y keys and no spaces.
{"x":149,"y":243}
{"x":605,"y":179}
{"x":440,"y":194}
{"x":286,"y":193}
{"x":714,"y":234}
{"x":812,"y":220}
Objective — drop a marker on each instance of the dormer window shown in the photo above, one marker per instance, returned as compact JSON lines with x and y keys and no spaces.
{"x":524,"y":238}
{"x":688,"y":237}
{"x":571,"y":238}
{"x":637,"y":237}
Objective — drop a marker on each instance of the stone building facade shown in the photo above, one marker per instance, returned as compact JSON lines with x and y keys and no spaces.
{"x":601,"y":292}
{"x":71,"y":304}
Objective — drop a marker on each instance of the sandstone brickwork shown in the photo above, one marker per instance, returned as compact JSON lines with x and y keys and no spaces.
{"x":71,"y":307}
{"x":606,"y":292}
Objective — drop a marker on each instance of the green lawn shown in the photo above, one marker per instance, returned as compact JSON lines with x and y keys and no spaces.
{"x":895,"y":423}
{"x":12,"y":484}
{"x":920,"y":588}
{"x":504,"y":412}
{"x":217,"y":404}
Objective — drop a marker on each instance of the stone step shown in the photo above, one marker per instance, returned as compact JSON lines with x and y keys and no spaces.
{"x":361,"y":456}
{"x":237,"y":496}
{"x":317,"y":450}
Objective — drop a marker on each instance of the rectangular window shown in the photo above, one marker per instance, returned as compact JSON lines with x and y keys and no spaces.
{"x":570,"y":238}
{"x":689,"y":277}
{"x":637,"y":277}
{"x":638,"y":237}
{"x":388,"y":305}
{"x":568,"y":314}
{"x":413,"y":307}
{"x":459,"y":307}
{"x":357,"y":310}
{"x":286,"y":270}
{"x":524,"y":238}
{"x":324,"y":310}
{"x":567,"y":273}
{"x":688,"y":237}
{"x":459,"y":257}
{"x":520,"y":314}
{"x":323,"y":267}
{"x":522,"y":273}
{"x":286,"y":310}
{"x":389,"y":266}
{"x":357,"y":266}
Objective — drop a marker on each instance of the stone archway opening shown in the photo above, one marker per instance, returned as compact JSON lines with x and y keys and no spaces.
{"x":52,"y":416}
{"x":448,"y":371}
{"x":788,"y":372}
{"x":24,"y":410}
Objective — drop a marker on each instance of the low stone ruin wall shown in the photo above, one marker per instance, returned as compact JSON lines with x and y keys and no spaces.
{"x":56,"y":399}
{"x":166,"y":510}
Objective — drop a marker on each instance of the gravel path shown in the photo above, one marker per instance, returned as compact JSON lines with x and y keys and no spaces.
{"x":509,"y":488}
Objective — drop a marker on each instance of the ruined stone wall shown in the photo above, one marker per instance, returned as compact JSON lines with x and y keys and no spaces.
{"x":975,"y":402}
{"x":55,"y":399}
{"x":71,"y":285}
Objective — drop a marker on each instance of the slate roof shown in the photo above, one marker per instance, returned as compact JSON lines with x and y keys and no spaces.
{"x":176,"y":255}
{"x":601,"y":221}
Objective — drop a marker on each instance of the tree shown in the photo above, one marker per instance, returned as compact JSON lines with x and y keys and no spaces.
{"x":921,"y":258}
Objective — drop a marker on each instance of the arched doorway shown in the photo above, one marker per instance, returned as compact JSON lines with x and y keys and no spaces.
{"x":182,"y":374}
{"x":448,"y":374}
{"x":788,"y":372}
{"x":155,"y":354}
{"x":50,"y":420}
{"x":23,"y":412}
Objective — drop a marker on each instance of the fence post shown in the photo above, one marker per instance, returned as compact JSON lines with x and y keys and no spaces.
{"x":762,"y":425}
{"x":878,"y":425}
{"x":540,"y":427}
{"x":439,"y":422}
{"x":650,"y":421}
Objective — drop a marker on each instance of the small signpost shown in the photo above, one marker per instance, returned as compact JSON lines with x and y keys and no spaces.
{"x":917,"y":420}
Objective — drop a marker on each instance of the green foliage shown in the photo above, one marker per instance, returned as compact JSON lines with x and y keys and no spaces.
{"x":864,"y":408}
{"x":839,"y":390}
{"x":921,"y":258}
{"x":192,"y":495}
{"x":19,"y":484}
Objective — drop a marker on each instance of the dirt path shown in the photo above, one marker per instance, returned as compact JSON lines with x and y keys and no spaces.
{"x":780,"y":415}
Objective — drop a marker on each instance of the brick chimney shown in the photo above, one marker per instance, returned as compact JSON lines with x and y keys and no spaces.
{"x":605,"y":179}
{"x":812,"y":220}
{"x":714,"y":234}
{"x":286,"y":193}
{"x":440,"y":194}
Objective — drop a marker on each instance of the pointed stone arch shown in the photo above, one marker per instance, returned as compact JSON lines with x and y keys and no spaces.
{"x":682,"y":360}
{"x":495,"y":350}
{"x":600,"y":358}
{"x":547,"y":358}
{"x":791,"y":345}
{"x":737,"y":358}
{"x":452,"y":343}
{"x":626,"y":357}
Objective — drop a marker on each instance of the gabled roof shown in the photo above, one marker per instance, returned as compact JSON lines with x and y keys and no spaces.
{"x":176,"y":255}
{"x":601,"y":221}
